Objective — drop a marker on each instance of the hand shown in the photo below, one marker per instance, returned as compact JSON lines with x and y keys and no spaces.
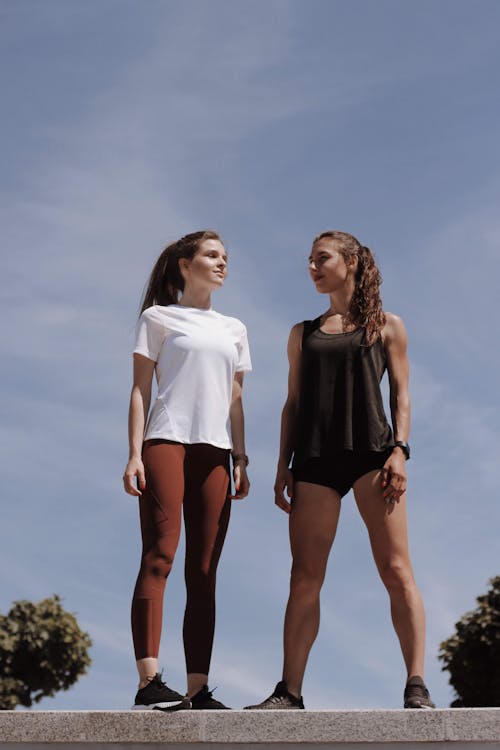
{"x":394,"y":477}
{"x":134,"y":468}
{"x":241,"y":481}
{"x":284,"y":479}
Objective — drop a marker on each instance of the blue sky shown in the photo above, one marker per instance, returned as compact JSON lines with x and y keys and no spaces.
{"x":126,"y":124}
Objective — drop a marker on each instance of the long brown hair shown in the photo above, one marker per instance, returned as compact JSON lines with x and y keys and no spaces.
{"x":365,"y":310}
{"x":166,"y":280}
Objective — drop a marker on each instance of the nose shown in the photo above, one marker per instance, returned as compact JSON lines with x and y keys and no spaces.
{"x":312,"y":265}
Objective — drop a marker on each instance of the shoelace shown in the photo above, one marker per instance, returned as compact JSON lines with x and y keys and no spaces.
{"x":277,"y":698}
{"x":206,"y":693}
{"x":416,"y":691}
{"x":157,"y":680}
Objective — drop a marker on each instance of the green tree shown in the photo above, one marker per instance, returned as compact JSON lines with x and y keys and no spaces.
{"x":42,"y":650}
{"x":472,"y":654}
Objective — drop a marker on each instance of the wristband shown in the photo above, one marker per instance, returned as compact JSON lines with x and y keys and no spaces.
{"x":237,"y":457}
{"x":404,"y":447}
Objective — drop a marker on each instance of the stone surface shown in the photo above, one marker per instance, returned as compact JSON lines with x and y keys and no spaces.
{"x":473,"y":724}
{"x":262,"y":730}
{"x":98,"y":726}
{"x":325,"y":726}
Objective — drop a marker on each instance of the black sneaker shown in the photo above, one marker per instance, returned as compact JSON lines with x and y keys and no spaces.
{"x":204,"y":700}
{"x":281,"y":698}
{"x":157,"y":695}
{"x":416,"y":694}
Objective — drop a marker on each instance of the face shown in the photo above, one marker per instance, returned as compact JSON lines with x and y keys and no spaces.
{"x":208,"y":266}
{"x":327,"y":266}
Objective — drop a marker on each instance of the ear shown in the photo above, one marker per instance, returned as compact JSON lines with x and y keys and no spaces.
{"x":183,"y":266}
{"x":352,"y":263}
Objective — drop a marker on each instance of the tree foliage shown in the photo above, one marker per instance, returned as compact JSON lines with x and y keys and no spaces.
{"x":472,"y":654}
{"x":42,"y":650}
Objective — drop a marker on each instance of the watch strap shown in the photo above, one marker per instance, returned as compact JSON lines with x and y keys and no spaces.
{"x":404,"y":447}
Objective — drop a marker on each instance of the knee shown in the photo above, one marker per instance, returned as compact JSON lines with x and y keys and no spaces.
{"x":200,"y":579}
{"x":397,"y":575}
{"x":158,"y":562}
{"x":306,"y":581}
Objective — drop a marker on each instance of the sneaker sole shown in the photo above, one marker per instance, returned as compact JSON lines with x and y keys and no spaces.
{"x":420,"y":706}
{"x":164,"y":706}
{"x":211,"y":708}
{"x":273,"y":708}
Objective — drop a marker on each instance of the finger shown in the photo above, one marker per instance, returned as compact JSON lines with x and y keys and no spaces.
{"x":241,"y":495}
{"x":282,"y":503}
{"x":245,"y":489}
{"x":237,"y":478}
{"x":131,"y":489}
{"x":241,"y":490}
{"x":393,"y":480}
{"x":385,"y":476}
{"x":390,"y":495}
{"x":397,"y":487}
{"x":289,"y":488}
{"x":394,"y":496}
{"x":280,"y":499}
{"x":141,"y":479}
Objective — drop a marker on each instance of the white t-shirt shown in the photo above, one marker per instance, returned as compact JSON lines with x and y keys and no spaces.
{"x":197,"y":353}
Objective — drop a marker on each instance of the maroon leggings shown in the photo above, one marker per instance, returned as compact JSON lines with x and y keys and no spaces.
{"x":194,"y":478}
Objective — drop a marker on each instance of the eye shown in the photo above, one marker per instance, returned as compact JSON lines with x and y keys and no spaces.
{"x":319,"y":260}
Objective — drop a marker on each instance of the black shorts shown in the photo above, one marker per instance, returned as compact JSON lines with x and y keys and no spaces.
{"x":340,"y":470}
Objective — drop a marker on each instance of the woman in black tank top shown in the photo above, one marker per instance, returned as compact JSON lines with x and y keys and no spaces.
{"x":335,"y":432}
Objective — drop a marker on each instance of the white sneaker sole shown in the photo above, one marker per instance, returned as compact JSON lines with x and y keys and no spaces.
{"x":163,"y":706}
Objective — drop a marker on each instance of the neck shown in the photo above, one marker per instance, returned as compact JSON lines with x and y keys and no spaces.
{"x":200,"y":298}
{"x":340,"y":300}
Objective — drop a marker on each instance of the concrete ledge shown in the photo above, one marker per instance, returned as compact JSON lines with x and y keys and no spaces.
{"x":133,"y":730}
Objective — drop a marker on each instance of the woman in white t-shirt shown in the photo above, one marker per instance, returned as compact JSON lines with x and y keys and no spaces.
{"x":179,"y":458}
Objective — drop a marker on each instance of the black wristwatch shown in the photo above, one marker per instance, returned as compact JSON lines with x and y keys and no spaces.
{"x":404,"y":447}
{"x":237,"y":457}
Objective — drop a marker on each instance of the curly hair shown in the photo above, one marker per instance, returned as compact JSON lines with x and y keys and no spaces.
{"x":365,"y":310}
{"x":166,"y":281}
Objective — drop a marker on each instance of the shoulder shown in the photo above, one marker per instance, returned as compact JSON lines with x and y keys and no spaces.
{"x":234,"y":324}
{"x":305,"y":327}
{"x":295,"y":338}
{"x":394,"y":331}
{"x":153,"y":314}
{"x":297,"y":330}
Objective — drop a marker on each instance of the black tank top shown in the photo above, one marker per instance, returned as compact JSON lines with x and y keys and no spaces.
{"x":341,"y":405}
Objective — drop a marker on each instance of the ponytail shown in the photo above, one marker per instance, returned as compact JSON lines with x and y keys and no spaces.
{"x":366,"y":304}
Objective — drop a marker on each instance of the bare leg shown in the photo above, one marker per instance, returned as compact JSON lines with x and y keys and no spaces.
{"x":147,"y":669}
{"x":313,"y":524}
{"x":387,"y":528}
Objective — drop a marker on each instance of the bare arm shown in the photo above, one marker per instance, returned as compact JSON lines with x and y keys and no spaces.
{"x":284,"y":478}
{"x":237,"y":419}
{"x":396,"y":344}
{"x":140,"y":399}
